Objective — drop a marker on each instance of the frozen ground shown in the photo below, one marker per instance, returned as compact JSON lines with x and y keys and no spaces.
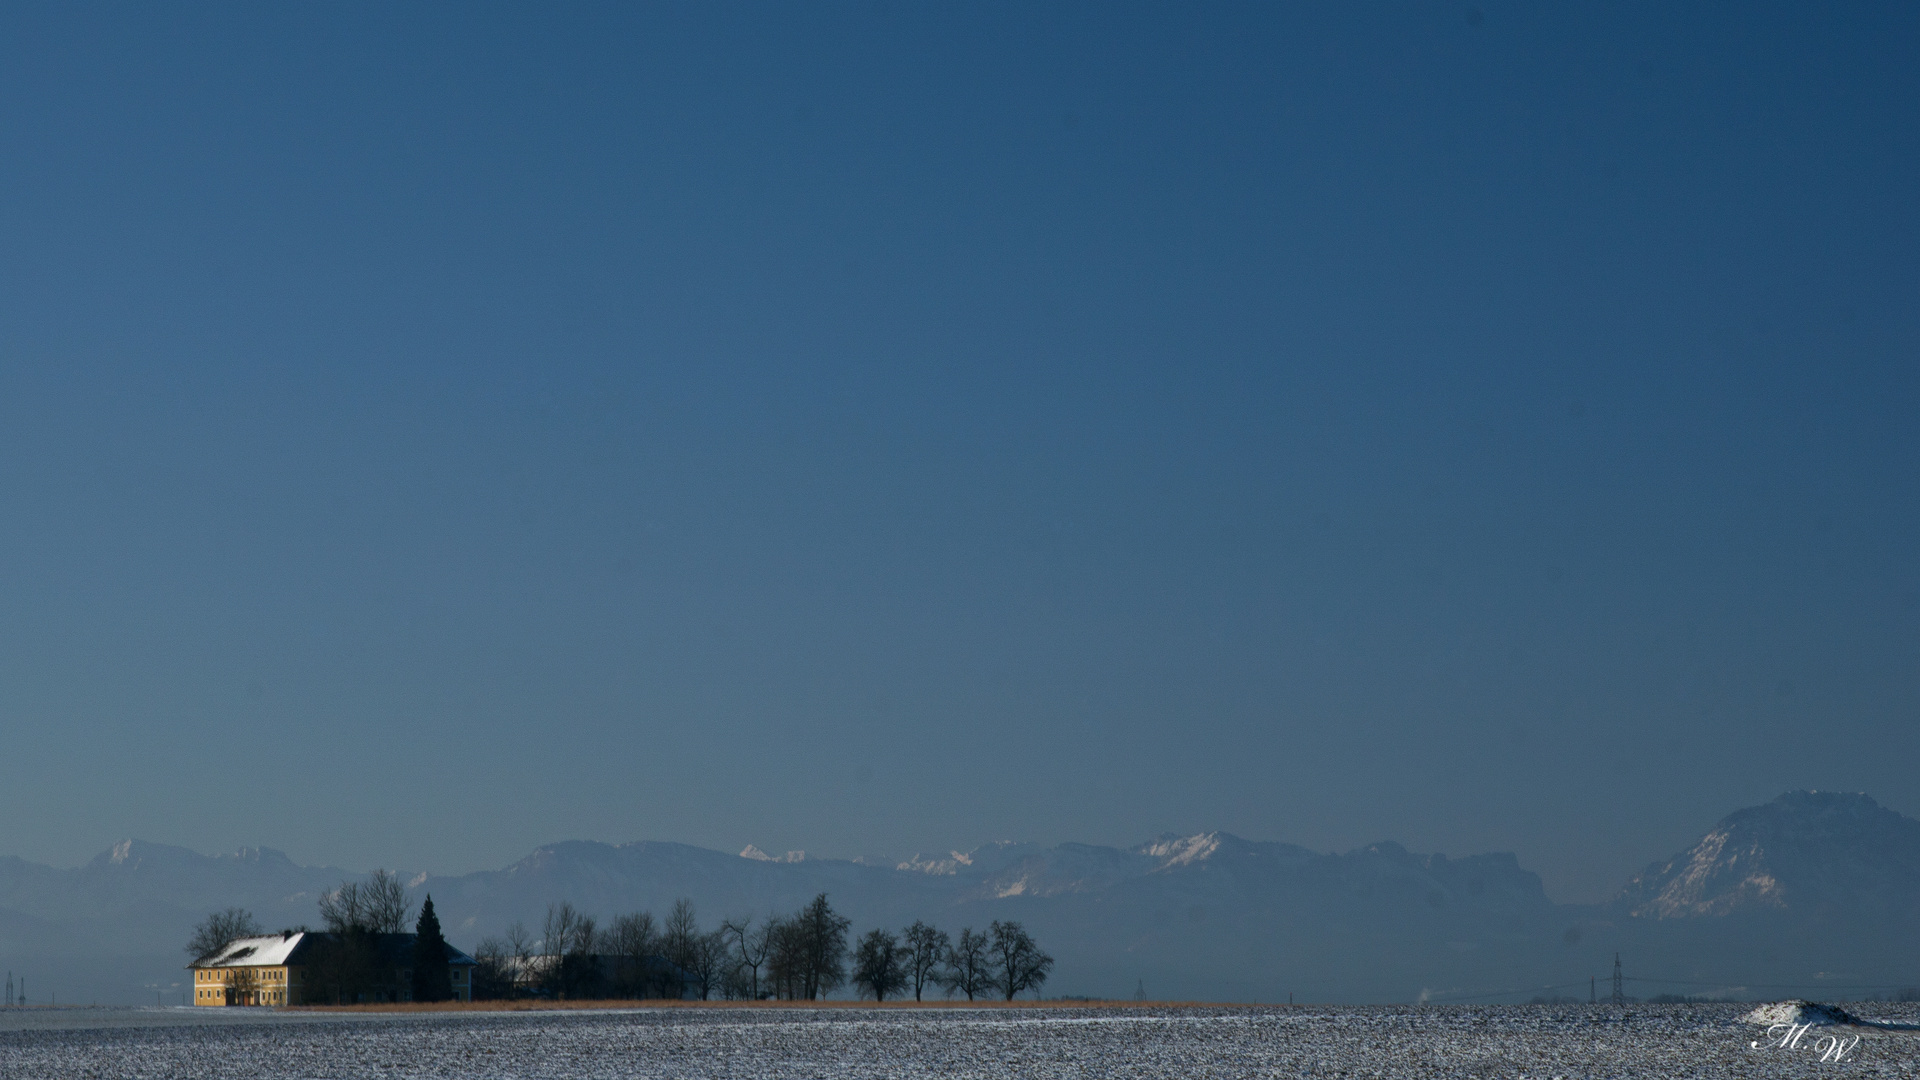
{"x":1502,"y":1041}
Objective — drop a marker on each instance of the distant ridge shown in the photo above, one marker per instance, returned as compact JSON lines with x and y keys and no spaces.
{"x":1835,"y":877}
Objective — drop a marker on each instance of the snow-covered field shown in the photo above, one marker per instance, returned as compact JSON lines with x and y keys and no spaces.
{"x":1499,"y":1041}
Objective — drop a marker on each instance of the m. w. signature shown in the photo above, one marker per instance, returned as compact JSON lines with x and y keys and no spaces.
{"x":1830,"y":1047}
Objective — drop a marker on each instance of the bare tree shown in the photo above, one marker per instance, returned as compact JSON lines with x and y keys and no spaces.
{"x":1018,"y":964}
{"x":709,"y":962}
{"x":926,"y":950}
{"x":753,"y":946}
{"x":567,"y":940}
{"x":968,"y":969}
{"x":582,"y":961}
{"x":786,"y":957}
{"x":680,"y":942}
{"x":351,"y":965}
{"x":342,"y":909}
{"x":378,"y":905}
{"x":879,"y":964}
{"x":681,"y":931}
{"x":387,"y":908}
{"x":823,"y":943}
{"x":806,"y":953}
{"x":219,"y":930}
{"x":586,"y":937}
{"x":635,"y":941}
{"x":737,"y":983}
{"x":555,"y":931}
{"x":493,"y":974}
{"x":519,"y":945}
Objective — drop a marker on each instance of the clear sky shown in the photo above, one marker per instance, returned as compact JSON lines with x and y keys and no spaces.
{"x":431,"y":431}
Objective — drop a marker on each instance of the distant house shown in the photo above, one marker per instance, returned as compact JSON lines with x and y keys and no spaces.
{"x":287,"y":969}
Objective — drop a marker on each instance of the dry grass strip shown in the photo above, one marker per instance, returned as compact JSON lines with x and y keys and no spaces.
{"x":557,"y":1006}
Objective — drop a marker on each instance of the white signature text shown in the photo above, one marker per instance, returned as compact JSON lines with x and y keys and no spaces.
{"x":1830,"y":1047}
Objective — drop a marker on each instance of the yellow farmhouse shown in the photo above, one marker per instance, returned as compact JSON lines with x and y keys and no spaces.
{"x":291,"y":968}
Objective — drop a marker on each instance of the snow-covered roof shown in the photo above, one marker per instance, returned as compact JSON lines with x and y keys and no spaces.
{"x":271,"y":950}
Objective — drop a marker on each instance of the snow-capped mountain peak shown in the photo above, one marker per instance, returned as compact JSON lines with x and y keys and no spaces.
{"x":1805,"y":849}
{"x":952,"y":864}
{"x":757,"y":855}
{"x":1173,"y":850}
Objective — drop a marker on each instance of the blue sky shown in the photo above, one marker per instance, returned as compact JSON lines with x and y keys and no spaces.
{"x":430,"y":431}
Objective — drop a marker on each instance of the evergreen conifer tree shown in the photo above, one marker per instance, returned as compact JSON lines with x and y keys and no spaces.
{"x":432,"y":979}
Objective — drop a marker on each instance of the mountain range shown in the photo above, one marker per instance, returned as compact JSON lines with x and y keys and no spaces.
{"x":1815,"y":890}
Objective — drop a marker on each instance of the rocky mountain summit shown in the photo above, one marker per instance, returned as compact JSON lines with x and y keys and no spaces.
{"x":1815,"y":852}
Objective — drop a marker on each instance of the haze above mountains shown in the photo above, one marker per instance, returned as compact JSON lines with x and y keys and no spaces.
{"x":1814,"y":889}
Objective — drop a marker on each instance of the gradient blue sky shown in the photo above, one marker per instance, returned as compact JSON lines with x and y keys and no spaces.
{"x":430,"y":431}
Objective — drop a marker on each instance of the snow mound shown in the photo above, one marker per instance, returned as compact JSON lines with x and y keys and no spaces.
{"x":1816,"y":1013}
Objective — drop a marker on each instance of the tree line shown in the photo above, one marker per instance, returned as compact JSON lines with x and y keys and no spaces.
{"x":797,"y":957}
{"x":802,"y":956}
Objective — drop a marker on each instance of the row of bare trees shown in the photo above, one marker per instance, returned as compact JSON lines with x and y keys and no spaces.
{"x":801,"y":956}
{"x":1002,"y":961}
{"x":804,"y":953}
{"x":638,"y":956}
{"x":632,"y":956}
